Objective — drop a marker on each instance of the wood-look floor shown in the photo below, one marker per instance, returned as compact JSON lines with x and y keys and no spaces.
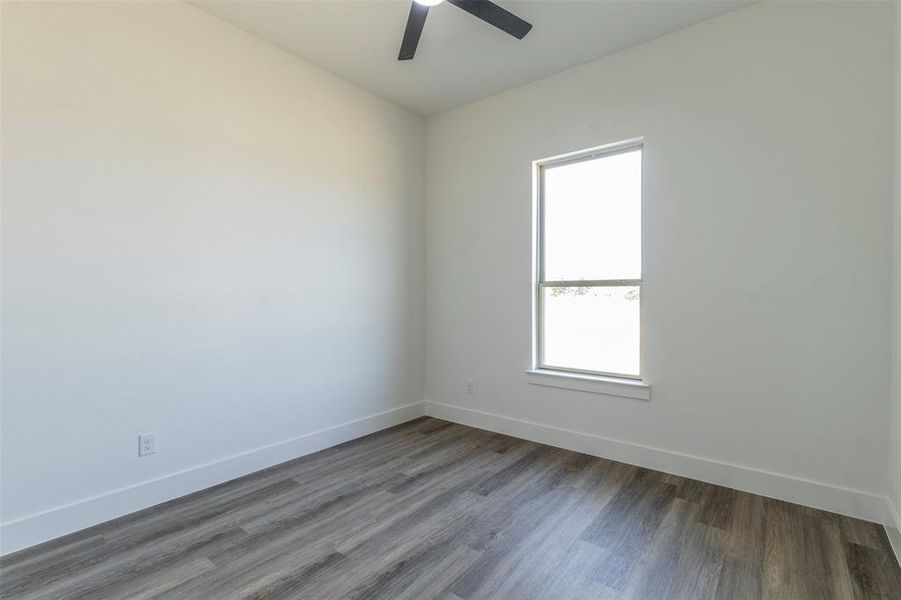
{"x":431,"y":509}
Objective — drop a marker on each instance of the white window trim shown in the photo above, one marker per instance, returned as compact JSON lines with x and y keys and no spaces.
{"x":617,"y":384}
{"x":593,"y":384}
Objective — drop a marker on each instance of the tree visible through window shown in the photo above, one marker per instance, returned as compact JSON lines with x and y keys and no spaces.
{"x":588,"y":295}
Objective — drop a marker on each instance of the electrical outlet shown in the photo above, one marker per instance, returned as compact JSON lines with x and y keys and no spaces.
{"x":470,"y":387}
{"x":146,"y":444}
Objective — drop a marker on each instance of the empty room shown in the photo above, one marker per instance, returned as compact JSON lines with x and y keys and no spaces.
{"x":450,"y":299}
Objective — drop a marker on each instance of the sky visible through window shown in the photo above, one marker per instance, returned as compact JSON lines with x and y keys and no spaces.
{"x":592,"y":231}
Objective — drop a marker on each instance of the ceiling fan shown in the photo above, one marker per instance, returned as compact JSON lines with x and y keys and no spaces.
{"x":488,"y":11}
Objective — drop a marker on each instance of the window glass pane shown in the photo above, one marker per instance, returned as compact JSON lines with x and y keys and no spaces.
{"x":592,"y":219}
{"x":591,"y":328}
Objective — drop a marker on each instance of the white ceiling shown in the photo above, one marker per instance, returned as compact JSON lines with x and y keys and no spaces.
{"x":460,"y":58}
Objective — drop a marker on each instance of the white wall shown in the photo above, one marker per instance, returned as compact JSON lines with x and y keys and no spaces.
{"x":767,"y":229}
{"x":207,"y":238}
{"x":894,"y":461}
{"x":203,"y":237}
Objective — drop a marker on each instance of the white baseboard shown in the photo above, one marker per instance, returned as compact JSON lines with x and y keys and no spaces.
{"x":893,"y":527}
{"x":41,"y":527}
{"x":853,"y":503}
{"x":47,"y":525}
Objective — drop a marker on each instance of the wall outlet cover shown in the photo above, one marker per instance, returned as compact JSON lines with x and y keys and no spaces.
{"x":146,"y":444}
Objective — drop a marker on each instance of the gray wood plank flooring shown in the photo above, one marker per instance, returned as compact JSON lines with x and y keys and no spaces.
{"x":431,"y":509}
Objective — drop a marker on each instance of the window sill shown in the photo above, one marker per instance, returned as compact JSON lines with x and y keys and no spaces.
{"x":593,"y":384}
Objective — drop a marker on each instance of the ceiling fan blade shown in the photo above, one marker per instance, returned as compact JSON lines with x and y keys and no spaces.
{"x":495,"y":15}
{"x":415,"y":23}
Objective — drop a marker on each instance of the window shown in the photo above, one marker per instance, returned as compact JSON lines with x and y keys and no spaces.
{"x":588,"y":262}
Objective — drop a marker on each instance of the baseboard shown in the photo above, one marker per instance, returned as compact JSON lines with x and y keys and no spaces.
{"x":47,"y":525}
{"x":893,"y":528}
{"x":853,"y":503}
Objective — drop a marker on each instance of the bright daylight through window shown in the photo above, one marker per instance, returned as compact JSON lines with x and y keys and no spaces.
{"x":588,"y":294}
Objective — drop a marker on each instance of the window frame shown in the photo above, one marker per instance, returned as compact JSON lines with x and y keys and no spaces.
{"x":538,"y":281}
